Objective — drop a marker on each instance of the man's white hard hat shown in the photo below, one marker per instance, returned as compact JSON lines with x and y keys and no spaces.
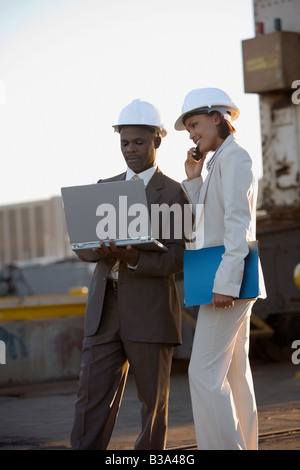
{"x":141,"y":113}
{"x":206,"y":100}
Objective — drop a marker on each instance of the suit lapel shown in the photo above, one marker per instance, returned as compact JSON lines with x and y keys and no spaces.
{"x":154,"y":187}
{"x":203,"y":191}
{"x":205,"y":185}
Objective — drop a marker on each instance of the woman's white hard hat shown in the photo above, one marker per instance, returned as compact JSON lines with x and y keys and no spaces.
{"x":141,"y":113}
{"x":206,"y":100}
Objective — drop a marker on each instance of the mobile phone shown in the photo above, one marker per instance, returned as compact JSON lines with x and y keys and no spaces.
{"x":198,"y":155}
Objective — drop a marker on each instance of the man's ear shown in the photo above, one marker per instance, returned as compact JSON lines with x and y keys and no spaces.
{"x":157,"y":141}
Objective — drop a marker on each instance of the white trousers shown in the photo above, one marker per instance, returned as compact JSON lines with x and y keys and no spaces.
{"x":222,"y":393}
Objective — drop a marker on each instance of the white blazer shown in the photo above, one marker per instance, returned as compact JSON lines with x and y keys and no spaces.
{"x":229,"y":194}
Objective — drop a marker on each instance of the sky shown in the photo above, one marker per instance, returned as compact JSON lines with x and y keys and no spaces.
{"x":68,"y":67}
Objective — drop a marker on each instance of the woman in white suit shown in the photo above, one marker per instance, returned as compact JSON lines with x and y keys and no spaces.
{"x":222,"y":393}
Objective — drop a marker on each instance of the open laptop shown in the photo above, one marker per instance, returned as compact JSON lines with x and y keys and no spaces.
{"x":114,"y":210}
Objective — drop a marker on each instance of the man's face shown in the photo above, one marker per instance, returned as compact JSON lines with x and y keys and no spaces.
{"x":138,"y":146}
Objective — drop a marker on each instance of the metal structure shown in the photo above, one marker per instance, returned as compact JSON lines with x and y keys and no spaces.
{"x":272,"y":69}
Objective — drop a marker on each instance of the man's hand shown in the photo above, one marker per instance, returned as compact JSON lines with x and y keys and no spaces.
{"x":222,"y":301}
{"x":128,"y":254}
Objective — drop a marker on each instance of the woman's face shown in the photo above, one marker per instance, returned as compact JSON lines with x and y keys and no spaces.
{"x":203,"y":130}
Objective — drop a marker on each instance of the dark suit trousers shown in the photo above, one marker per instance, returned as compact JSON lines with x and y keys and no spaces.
{"x":106,"y":357}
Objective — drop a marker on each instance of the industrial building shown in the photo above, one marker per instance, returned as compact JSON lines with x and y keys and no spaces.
{"x":36,"y":231}
{"x":33,"y":231}
{"x":271,"y":62}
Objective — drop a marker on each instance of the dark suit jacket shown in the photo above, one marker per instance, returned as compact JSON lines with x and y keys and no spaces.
{"x":149,"y":306}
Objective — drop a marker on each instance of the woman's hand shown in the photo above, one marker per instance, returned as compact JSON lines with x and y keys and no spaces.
{"x":222,"y":301}
{"x":193,"y":168}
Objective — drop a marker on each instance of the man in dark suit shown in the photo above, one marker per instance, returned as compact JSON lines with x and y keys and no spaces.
{"x":133,"y":309}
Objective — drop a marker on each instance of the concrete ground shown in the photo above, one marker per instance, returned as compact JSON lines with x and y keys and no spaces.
{"x":39,"y":417}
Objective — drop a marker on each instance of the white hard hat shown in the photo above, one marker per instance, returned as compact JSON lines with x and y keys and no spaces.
{"x":141,"y":113}
{"x":205,"y":100}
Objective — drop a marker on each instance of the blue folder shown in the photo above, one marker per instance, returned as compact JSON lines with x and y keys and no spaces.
{"x":200,"y":267}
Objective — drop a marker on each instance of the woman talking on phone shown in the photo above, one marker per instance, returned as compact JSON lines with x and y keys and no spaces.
{"x":222,"y":393}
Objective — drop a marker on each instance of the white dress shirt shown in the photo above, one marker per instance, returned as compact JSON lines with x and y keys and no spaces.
{"x":146,"y":177}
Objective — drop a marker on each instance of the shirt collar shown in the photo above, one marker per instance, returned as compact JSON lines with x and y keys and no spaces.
{"x":228,"y":139}
{"x":144,"y":175}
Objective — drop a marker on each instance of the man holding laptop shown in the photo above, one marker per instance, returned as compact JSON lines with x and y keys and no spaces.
{"x":133,"y":308}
